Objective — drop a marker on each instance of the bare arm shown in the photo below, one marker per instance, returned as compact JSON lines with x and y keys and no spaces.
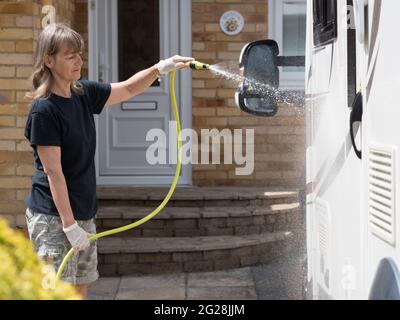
{"x":51,"y":160}
{"x":142,"y":80}
{"x":135,"y":85}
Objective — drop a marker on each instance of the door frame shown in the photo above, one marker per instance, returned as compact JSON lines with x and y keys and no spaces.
{"x":185,"y":93}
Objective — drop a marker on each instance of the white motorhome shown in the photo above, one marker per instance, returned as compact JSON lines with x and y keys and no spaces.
{"x":352,"y":90}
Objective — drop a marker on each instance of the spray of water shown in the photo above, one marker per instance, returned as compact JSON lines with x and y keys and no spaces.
{"x":288,"y":97}
{"x":290,"y":269}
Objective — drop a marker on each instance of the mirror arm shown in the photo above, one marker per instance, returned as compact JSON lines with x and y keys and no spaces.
{"x":291,"y":61}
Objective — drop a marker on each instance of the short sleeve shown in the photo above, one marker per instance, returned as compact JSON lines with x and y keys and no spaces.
{"x":98,"y":94}
{"x":43,"y":130}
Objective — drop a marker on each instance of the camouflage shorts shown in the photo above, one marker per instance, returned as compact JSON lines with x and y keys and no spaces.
{"x":52,"y":245}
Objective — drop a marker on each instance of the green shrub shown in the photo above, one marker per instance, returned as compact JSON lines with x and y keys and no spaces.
{"x":23,"y":275}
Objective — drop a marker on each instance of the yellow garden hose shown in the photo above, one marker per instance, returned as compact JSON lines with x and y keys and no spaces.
{"x":170,"y":192}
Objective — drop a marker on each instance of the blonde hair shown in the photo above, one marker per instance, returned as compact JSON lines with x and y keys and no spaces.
{"x":49,"y":43}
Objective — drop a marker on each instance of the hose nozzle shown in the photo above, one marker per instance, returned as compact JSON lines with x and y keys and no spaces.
{"x":196,"y":65}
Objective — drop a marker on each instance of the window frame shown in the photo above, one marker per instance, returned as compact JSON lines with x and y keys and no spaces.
{"x":288,"y":80}
{"x":325,"y":31}
{"x":351,"y":60}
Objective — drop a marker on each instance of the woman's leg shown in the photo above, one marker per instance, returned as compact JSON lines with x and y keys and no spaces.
{"x":50,"y":243}
{"x":87,"y":261}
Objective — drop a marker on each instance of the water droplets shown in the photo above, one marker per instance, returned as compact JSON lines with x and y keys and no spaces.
{"x":229,"y":73}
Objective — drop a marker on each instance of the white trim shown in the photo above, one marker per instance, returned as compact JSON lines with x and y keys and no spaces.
{"x":185,"y":12}
{"x":93,"y":62}
{"x":288,"y":80}
{"x":114,"y":42}
{"x":184,"y":99}
{"x":272,"y":20}
{"x":92,"y":41}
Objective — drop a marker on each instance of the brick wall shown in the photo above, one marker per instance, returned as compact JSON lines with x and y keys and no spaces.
{"x":20,"y":25}
{"x":81,"y":25}
{"x":279,"y":141}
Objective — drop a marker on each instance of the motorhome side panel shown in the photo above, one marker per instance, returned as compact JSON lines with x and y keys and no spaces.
{"x":382,"y":138}
{"x":334,"y":172}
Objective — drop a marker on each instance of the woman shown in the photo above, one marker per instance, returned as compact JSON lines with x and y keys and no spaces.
{"x":61,"y":130}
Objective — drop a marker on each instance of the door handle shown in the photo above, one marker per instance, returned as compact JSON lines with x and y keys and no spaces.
{"x":356,"y":116}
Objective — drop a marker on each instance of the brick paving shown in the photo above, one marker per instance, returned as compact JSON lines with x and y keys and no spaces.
{"x":280,"y":280}
{"x":228,"y":284}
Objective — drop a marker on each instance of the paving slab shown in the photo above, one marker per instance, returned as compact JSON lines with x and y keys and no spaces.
{"x":280,"y":280}
{"x":159,"y":287}
{"x":104,"y":289}
{"x":225,"y":278}
{"x":221,"y":293}
{"x":156,"y":281}
{"x":173,"y":293}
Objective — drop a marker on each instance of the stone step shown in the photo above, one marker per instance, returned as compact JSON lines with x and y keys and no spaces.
{"x":200,"y":221}
{"x":193,"y":196}
{"x":167,"y":213}
{"x":128,"y":256}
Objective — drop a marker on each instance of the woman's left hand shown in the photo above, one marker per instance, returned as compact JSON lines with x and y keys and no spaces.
{"x":171,"y":64}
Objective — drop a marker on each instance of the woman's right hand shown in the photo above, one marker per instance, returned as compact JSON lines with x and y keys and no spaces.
{"x":78,"y":237}
{"x":171,"y":64}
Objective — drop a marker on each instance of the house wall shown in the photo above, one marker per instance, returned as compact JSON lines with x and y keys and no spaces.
{"x":279,"y":141}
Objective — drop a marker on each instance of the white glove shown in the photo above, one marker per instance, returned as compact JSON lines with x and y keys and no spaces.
{"x":173,"y":63}
{"x":78,"y":237}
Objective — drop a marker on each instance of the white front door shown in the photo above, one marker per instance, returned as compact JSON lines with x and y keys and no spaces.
{"x":125,"y":37}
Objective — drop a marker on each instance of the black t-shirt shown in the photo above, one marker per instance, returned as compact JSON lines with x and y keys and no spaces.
{"x":68,"y":123}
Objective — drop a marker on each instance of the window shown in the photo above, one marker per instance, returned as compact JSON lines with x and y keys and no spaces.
{"x":287,"y":26}
{"x":139,"y":40}
{"x":351,"y":58}
{"x":325,"y":21}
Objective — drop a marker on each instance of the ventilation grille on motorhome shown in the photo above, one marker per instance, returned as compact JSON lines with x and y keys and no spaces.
{"x":323,"y":238}
{"x":382,"y":194}
{"x":323,"y":249}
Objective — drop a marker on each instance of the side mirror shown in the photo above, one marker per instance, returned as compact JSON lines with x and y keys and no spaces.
{"x":259,"y":62}
{"x":259,"y":68}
